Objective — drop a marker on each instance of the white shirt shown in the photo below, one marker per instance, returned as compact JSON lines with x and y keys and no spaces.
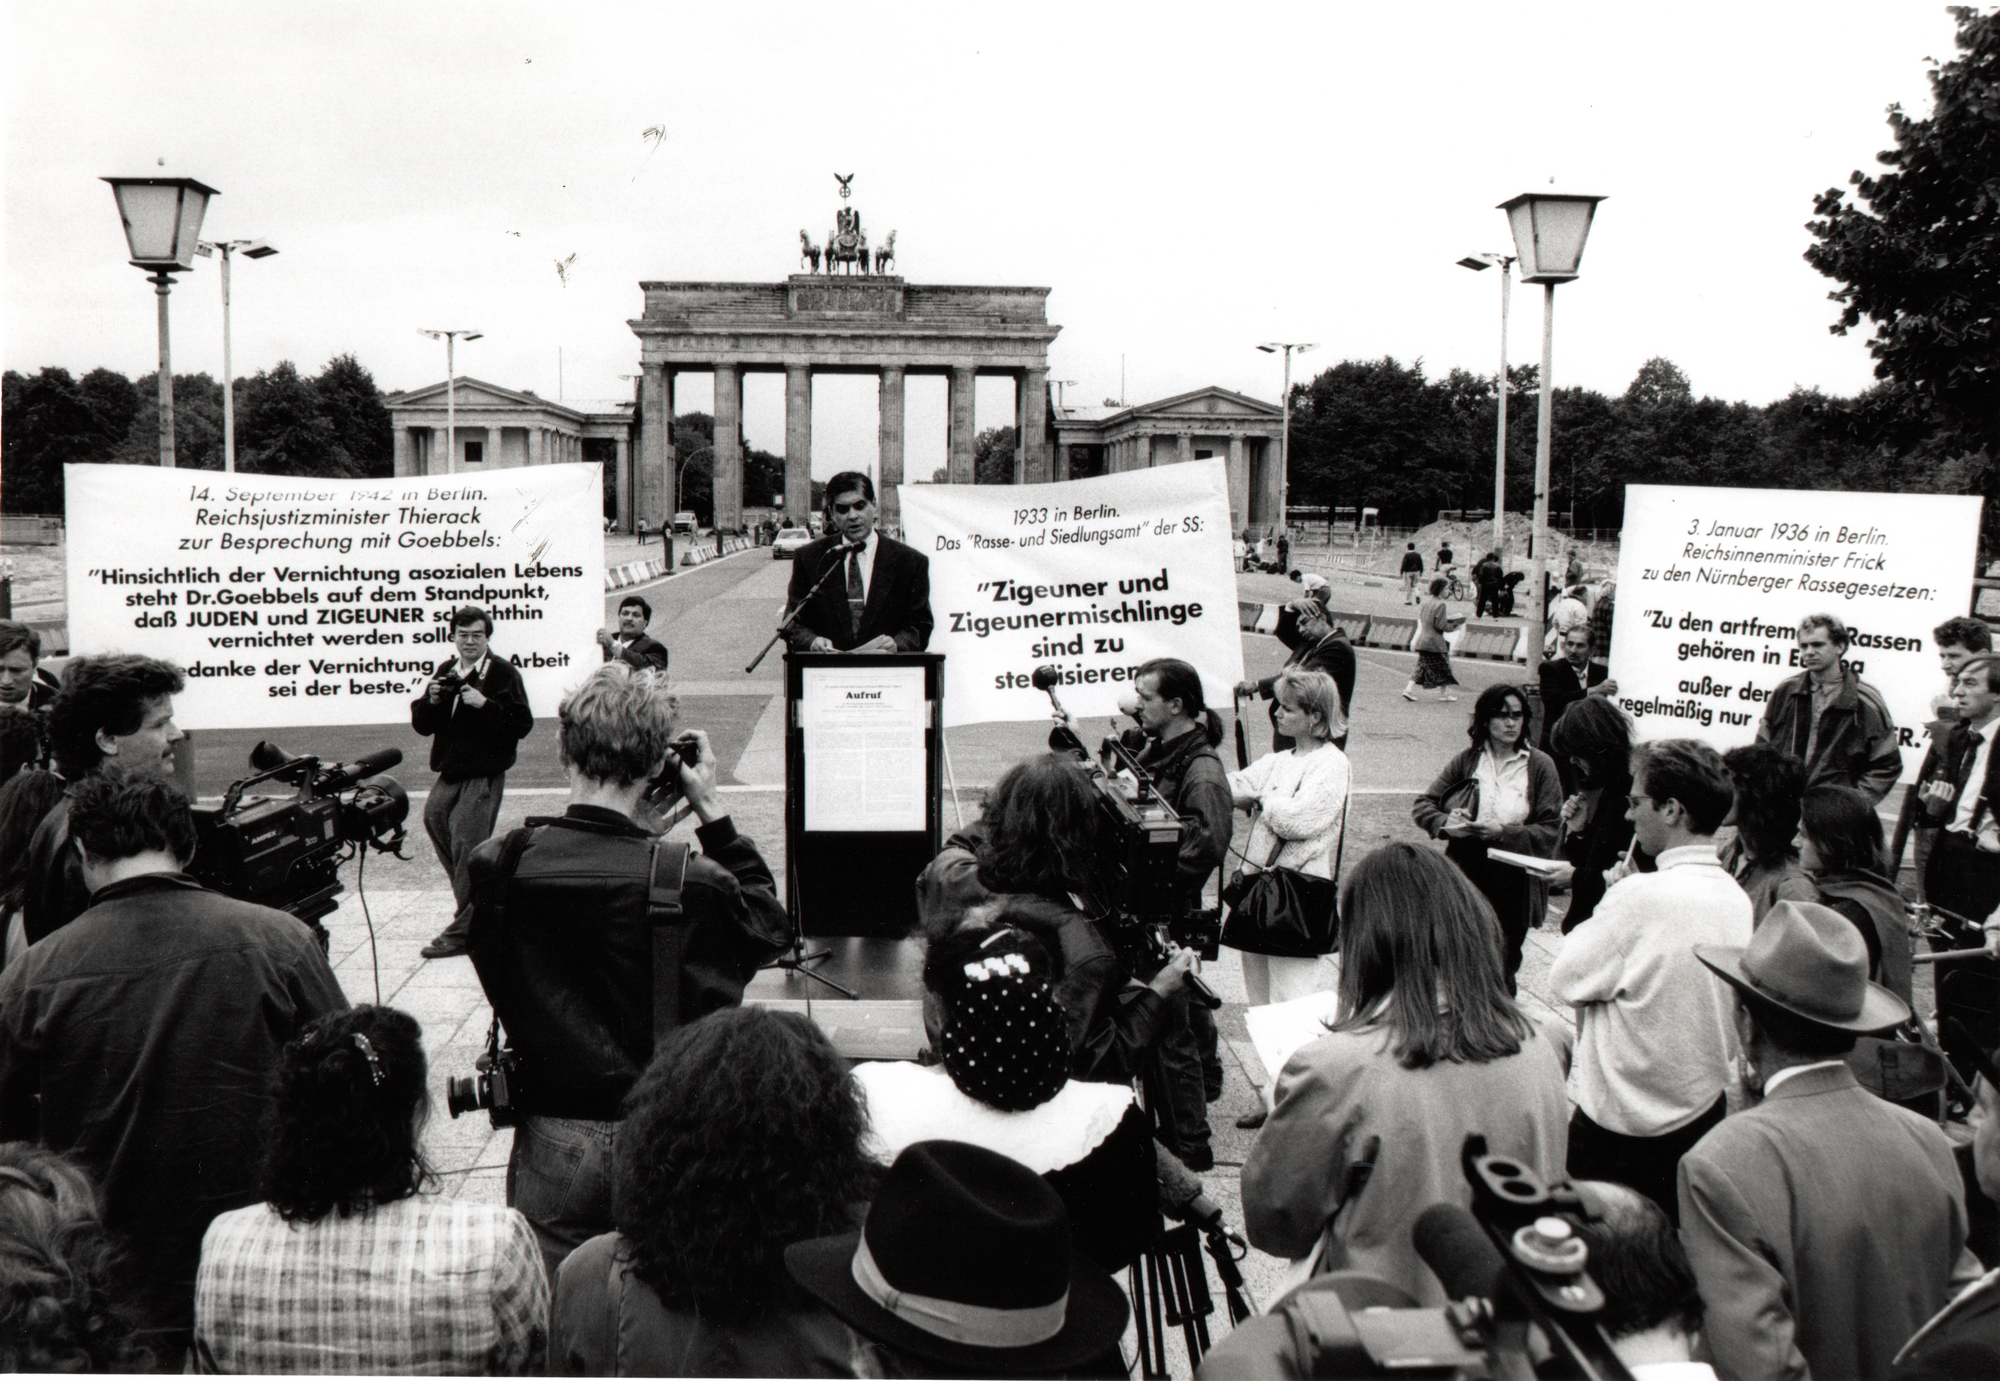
{"x":1503,"y":786}
{"x":1771,"y":1084}
{"x":1988,"y":834}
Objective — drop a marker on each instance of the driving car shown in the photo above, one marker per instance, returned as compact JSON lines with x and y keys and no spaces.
{"x":788,"y":541}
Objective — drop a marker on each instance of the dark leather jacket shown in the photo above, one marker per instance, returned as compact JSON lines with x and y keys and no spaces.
{"x":564,"y":949}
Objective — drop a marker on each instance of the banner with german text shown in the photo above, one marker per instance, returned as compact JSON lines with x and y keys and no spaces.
{"x":1093,"y":577}
{"x":322,"y":601}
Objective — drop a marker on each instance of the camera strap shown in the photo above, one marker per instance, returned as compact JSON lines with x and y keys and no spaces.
{"x":666,"y":875}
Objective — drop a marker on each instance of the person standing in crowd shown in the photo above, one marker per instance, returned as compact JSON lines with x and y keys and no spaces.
{"x":1830,"y":719}
{"x":348,"y":1265}
{"x":564,"y":940}
{"x":24,"y":801}
{"x":1654,"y":1040}
{"x":743,"y":1136}
{"x":1601,"y":614}
{"x":630,"y":644}
{"x":142,"y":1038}
{"x":1958,"y":641}
{"x":115,"y":711}
{"x":1840,"y":848}
{"x":22,"y":680}
{"x":1486,"y":577}
{"x":1564,"y":681}
{"x":474,"y":710}
{"x":1963,"y":1338}
{"x":1573,"y":573}
{"x":1434,"y":620}
{"x":1824,"y":1224}
{"x":1764,"y":856}
{"x":64,"y":1308}
{"x":1182,"y":734}
{"x":1412,"y":572}
{"x":1317,"y":645}
{"x":1005,"y":1084}
{"x":1428,"y":1048}
{"x":1568,"y":612}
{"x":23,"y":741}
{"x":964,"y":1268}
{"x":1956,"y":789}
{"x":1284,"y":550}
{"x":1031,"y":858}
{"x":1498,"y":794}
{"x":1595,"y":737}
{"x":883,"y":602}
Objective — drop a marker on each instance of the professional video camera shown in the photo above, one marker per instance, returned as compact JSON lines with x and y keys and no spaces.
{"x":1138,"y":852}
{"x":1513,"y":1265}
{"x":283,"y":851}
{"x":494,"y":1086}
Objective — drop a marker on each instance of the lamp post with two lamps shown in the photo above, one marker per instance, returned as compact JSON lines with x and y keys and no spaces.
{"x":162,"y":217}
{"x":450,"y":338}
{"x":1549,"y":232}
{"x":249,"y":249}
{"x":1479,"y":263}
{"x":1272,"y":347}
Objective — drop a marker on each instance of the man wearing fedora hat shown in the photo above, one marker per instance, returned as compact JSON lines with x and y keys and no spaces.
{"x":1824,"y":1224}
{"x":964,"y":1267}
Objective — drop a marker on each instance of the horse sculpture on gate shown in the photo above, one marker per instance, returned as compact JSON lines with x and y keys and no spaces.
{"x":808,"y":252}
{"x":886,"y":255}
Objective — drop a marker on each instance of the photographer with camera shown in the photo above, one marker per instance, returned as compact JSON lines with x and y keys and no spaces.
{"x":474,"y":710}
{"x":594,"y":938}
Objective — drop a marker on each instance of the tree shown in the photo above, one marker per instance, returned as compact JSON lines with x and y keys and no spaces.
{"x":197,"y":424}
{"x":46,"y":422}
{"x":1659,"y":384}
{"x":359,"y":419}
{"x":993,"y":456}
{"x":1919,"y":259}
{"x":282,"y":428}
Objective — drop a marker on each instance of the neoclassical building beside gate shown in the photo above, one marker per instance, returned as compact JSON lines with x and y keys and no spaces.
{"x":811,"y":323}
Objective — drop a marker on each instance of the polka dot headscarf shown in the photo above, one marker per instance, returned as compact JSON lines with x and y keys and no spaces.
{"x":1005,"y":1043}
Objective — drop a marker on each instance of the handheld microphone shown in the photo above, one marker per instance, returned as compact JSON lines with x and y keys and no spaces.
{"x":1062,"y":738}
{"x":1458,"y":1251}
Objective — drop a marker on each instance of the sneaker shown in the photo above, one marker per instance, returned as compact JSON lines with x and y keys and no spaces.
{"x":445,"y":946}
{"x":1446,"y":699}
{"x":1411,"y":698}
{"x":1252,"y":1120}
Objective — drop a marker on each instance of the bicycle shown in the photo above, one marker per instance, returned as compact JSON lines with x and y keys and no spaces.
{"x":1455,"y":587}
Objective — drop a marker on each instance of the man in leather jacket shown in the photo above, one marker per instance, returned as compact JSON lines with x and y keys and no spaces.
{"x":567,"y":947}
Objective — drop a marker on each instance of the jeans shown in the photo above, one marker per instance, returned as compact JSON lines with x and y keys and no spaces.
{"x":459,"y":818}
{"x":559,"y":1177}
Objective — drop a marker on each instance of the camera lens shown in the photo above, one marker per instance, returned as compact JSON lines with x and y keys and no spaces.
{"x":461,"y":1096}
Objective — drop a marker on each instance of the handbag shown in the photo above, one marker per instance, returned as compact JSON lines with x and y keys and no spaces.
{"x":1463,"y":796}
{"x":1282,"y":911}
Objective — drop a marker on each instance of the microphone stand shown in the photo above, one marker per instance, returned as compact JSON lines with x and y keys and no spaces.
{"x":792,"y":614}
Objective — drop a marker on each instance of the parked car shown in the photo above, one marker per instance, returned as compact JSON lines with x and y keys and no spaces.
{"x":685,"y":525}
{"x":787,"y":543}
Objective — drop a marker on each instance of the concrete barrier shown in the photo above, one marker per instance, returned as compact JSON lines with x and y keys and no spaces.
{"x":1492,"y":642}
{"x":1355,"y":626}
{"x":1388,"y":630}
{"x":1257,"y":618}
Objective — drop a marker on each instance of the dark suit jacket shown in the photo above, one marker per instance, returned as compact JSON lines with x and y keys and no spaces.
{"x":640,"y":653}
{"x":1944,"y":762}
{"x":1560,"y":690}
{"x":1333,"y":655}
{"x":899,"y":598}
{"x":1825,"y":1226}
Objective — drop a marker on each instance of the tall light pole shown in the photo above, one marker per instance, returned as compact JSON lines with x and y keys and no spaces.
{"x":1285,"y":441}
{"x":162,"y":218}
{"x":450,"y":338}
{"x":1479,"y":263}
{"x":1549,"y":231}
{"x":249,"y":249}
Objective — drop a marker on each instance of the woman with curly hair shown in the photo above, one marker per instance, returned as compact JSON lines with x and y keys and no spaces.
{"x":59,"y":1293}
{"x":1763,"y":858}
{"x":349,"y":1266}
{"x":743,"y":1136}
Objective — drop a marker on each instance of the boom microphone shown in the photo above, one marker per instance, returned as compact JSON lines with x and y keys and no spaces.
{"x":344,"y":775}
{"x":1458,"y":1251}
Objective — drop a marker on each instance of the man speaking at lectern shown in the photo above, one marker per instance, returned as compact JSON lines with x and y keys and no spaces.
{"x":876,"y":592}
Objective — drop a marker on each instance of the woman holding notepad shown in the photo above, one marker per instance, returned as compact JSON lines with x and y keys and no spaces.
{"x":1498,"y":805}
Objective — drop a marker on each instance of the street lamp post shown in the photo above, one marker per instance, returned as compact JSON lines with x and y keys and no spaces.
{"x":249,"y":249}
{"x":1284,"y":441}
{"x":162,"y":217}
{"x":1505,"y":262}
{"x":1549,"y":232}
{"x":450,"y":338}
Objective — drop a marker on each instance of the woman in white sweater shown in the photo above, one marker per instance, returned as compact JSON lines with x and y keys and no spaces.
{"x":1298,"y":805}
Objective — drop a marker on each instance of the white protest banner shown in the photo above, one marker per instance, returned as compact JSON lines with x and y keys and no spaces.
{"x":322,"y":601}
{"x":1713,"y":582}
{"x":1094,"y":577}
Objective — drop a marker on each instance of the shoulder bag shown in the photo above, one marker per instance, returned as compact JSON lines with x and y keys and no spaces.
{"x":1282,"y":911}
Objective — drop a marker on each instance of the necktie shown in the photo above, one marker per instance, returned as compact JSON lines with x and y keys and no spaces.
{"x":1972,"y":743}
{"x":857,"y":598}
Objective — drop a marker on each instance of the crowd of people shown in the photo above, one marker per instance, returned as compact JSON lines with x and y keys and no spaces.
{"x":210,"y":1159}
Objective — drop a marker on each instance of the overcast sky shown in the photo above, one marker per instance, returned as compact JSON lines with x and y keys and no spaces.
{"x":1188,"y":179}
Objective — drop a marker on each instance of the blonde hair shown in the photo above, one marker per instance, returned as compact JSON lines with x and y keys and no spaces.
{"x":616,"y":726}
{"x":1316,"y":694}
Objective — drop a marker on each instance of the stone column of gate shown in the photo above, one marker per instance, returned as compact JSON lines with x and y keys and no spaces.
{"x":1239,"y":484}
{"x":1031,"y":420}
{"x":1274,"y":483}
{"x":959,"y":435}
{"x":798,"y":441}
{"x":653,"y":477}
{"x":621,"y":478}
{"x":889,"y":446}
{"x":405,"y":453}
{"x":727,"y":462}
